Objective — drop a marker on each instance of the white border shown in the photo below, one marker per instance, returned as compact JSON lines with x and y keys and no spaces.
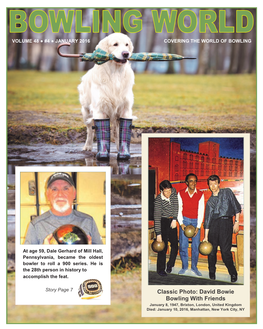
{"x":149,"y":292}
{"x":24,"y":287}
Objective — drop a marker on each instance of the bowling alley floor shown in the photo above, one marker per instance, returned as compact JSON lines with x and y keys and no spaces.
{"x":189,"y":278}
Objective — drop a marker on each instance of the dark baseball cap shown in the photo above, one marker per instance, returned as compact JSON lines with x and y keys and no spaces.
{"x":60,"y":175}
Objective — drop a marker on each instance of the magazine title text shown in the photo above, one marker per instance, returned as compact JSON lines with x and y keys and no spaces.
{"x":186,"y":21}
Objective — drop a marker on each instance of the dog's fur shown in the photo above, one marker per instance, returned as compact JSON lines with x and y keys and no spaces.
{"x":106,"y":90}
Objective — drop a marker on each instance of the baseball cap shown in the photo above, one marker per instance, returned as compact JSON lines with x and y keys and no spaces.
{"x":60,"y":175}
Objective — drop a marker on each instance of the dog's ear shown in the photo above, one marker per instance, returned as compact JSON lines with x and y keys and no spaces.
{"x":130,"y":45}
{"x":103,"y":44}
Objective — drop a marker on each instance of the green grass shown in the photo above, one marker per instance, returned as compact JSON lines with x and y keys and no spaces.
{"x":195,"y":102}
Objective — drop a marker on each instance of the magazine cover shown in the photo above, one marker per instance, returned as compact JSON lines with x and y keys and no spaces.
{"x":131,"y":164}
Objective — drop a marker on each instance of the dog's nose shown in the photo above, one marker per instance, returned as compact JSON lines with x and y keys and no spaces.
{"x":125,"y":54}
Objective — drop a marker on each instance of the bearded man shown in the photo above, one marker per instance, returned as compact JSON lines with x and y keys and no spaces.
{"x":60,"y":193}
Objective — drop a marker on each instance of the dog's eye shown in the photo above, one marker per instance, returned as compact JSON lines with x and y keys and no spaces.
{"x":127,"y":44}
{"x":115,"y":44}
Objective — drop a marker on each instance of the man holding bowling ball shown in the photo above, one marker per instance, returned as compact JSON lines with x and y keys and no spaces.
{"x":61,"y":193}
{"x":221,"y":207}
{"x":191,"y":212}
{"x":165,"y":216}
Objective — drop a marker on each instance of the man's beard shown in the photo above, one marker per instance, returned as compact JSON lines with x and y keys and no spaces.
{"x":61,"y":209}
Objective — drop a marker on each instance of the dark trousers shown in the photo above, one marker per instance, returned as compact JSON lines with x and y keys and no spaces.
{"x":168,"y":234}
{"x":220,"y":234}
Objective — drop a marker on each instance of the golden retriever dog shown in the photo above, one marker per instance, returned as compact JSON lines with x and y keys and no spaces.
{"x":105,"y":91}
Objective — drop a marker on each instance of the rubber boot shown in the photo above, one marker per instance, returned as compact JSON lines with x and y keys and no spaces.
{"x":102,"y":128}
{"x":125,"y":139}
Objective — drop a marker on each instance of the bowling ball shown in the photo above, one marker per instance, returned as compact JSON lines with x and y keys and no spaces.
{"x":189,"y":231}
{"x":205,"y":248}
{"x":69,"y":234}
{"x":157,"y":246}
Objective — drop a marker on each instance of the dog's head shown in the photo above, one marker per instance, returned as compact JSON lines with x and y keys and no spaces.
{"x":119,"y":45}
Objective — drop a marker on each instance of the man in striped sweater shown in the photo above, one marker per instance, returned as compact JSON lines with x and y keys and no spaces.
{"x":191,"y":212}
{"x":165,"y":216}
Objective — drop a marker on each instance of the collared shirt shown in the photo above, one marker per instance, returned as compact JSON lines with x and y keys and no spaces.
{"x":225,"y":204}
{"x":200,"y":206}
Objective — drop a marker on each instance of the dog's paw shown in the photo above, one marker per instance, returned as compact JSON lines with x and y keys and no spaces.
{"x":87,"y":148}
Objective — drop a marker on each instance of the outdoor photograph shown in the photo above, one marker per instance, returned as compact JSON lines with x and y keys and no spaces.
{"x":185,"y":176}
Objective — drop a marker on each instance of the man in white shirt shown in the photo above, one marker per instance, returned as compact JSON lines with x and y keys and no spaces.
{"x":191,"y":212}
